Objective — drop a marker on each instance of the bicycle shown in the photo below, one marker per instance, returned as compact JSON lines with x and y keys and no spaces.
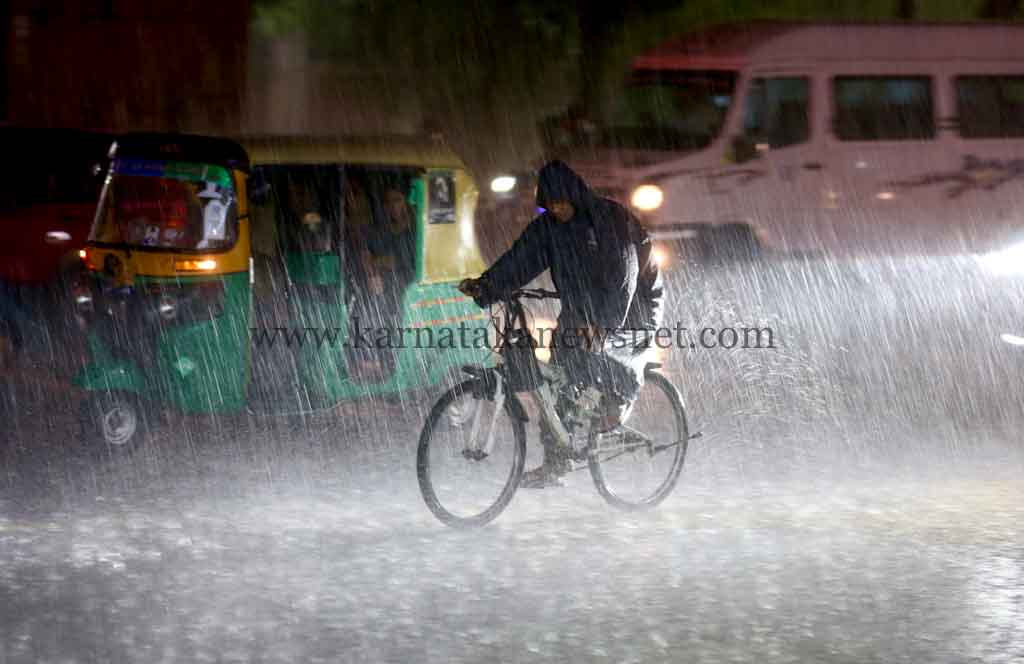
{"x":478,"y":429}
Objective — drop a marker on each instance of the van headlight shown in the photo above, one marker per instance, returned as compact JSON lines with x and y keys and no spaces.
{"x":647,"y":197}
{"x":1008,"y":261}
{"x":1012,"y":339}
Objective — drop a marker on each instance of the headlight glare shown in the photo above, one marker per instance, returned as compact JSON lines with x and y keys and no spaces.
{"x":503,"y":184}
{"x":647,"y":197}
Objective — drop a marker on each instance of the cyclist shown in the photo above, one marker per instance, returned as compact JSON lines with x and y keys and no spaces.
{"x":611,"y":294}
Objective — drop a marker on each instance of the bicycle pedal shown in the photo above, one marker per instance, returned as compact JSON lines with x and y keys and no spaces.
{"x":695,"y":436}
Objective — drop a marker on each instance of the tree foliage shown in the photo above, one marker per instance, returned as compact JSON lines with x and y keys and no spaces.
{"x":486,"y":72}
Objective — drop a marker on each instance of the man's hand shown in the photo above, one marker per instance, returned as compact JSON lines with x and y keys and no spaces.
{"x":476,"y":289}
{"x":472,"y":287}
{"x":376,"y":284}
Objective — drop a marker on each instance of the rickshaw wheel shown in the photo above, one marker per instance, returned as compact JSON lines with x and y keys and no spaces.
{"x":114,"y":421}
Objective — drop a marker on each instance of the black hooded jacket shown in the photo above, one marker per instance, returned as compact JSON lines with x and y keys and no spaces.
{"x":600,"y":260}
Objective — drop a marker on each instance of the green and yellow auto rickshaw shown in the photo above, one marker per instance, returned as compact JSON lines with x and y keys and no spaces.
{"x":191,"y":230}
{"x":317,"y":207}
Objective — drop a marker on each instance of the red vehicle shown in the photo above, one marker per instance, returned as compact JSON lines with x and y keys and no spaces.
{"x":50,"y":180}
{"x":48,"y":195}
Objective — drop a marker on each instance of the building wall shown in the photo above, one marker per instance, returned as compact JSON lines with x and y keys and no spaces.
{"x":127,"y":65}
{"x":291,"y":92}
{"x":184,"y":65}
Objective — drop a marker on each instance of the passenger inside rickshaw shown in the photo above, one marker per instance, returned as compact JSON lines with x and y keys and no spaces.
{"x":364,"y":214}
{"x":308,"y":207}
{"x":381,"y":232}
{"x":295,"y":211}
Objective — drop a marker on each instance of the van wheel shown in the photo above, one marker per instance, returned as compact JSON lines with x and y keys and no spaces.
{"x":735,"y":242}
{"x":114,"y":422}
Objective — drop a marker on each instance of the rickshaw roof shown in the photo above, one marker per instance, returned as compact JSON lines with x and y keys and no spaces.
{"x":182,"y":147}
{"x":396,"y":150}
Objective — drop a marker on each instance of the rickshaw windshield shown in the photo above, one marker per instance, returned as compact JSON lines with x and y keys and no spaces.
{"x":169,"y":205}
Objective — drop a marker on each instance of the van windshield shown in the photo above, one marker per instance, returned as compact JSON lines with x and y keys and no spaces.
{"x":167,"y":205}
{"x":663,"y":110}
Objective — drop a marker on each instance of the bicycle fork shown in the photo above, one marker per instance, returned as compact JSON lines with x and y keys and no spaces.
{"x":499,"y":404}
{"x":543,"y":398}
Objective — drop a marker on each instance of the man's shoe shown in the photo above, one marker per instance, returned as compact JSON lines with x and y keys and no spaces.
{"x":547,"y":475}
{"x":539,"y":478}
{"x":615,"y":411}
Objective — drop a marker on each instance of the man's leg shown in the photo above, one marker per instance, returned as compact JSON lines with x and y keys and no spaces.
{"x":556,"y":461}
{"x":622,"y":367}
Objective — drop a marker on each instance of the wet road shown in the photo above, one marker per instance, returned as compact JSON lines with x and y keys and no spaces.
{"x":848,"y":502}
{"x":318,"y":554}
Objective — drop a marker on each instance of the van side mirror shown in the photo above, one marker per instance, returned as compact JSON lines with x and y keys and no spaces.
{"x":743,"y":149}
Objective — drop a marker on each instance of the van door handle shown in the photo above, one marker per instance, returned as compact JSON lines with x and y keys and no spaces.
{"x":812,"y":166}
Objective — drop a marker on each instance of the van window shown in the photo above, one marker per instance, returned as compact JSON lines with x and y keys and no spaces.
{"x":883,"y":108}
{"x":777,"y":111}
{"x":990,"y":106}
{"x":668,"y":110}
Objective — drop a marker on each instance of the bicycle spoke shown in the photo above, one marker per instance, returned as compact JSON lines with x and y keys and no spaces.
{"x":629,"y":466}
{"x":470,"y":456}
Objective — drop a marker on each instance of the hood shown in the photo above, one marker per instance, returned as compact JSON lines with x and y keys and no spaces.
{"x":556,"y":181}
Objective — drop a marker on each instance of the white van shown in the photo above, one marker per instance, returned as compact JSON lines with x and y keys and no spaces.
{"x":841,"y":139}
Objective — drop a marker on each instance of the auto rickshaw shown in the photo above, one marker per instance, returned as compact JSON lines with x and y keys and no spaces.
{"x":314,"y":203}
{"x":168,"y":304}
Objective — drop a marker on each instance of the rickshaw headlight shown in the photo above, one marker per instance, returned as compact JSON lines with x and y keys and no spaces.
{"x":81,"y":293}
{"x":647,"y":197}
{"x":84,"y":305}
{"x":168,"y":307}
{"x":503,"y":184}
{"x":204,"y":265}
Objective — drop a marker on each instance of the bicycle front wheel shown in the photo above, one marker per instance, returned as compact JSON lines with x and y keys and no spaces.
{"x":637,"y":466}
{"x":470,"y":457}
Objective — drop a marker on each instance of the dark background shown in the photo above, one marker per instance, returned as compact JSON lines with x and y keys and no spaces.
{"x":482,"y":75}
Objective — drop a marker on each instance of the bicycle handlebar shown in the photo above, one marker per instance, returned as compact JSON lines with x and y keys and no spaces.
{"x":534,"y":294}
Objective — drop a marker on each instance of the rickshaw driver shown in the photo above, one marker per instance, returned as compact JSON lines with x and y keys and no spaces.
{"x":313,"y":234}
{"x":215,"y":212}
{"x":611,"y":293}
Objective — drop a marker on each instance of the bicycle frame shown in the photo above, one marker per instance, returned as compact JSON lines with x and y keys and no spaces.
{"x":520,"y":369}
{"x":505,"y":379}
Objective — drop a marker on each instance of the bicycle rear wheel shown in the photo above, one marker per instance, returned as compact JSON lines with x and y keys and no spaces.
{"x":637,"y":467}
{"x":463,"y":485}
